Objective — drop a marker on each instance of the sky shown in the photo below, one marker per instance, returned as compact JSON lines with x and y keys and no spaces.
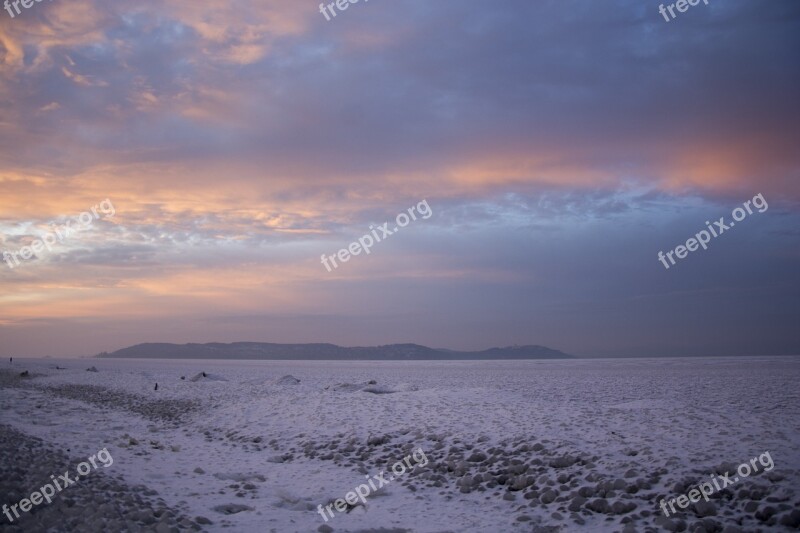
{"x":560,"y":145}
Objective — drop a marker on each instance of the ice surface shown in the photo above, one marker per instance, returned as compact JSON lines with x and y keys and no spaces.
{"x":258,"y":445}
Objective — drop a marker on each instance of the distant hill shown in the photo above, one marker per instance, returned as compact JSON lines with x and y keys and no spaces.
{"x":325,"y":352}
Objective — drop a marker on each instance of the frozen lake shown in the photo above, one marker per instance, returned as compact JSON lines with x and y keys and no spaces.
{"x":509,"y":445}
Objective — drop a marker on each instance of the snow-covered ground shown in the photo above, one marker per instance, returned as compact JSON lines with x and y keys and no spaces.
{"x":511,"y":445}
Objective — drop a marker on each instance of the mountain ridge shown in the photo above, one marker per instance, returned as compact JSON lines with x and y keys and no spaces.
{"x":325,"y":352}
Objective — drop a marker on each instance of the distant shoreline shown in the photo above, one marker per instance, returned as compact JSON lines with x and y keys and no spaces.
{"x":22,"y":358}
{"x":326,"y":352}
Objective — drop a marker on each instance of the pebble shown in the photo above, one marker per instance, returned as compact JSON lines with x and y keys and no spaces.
{"x":84,"y":506}
{"x":703,"y":508}
{"x":548,"y":496}
{"x":791,"y":519}
{"x":599,"y":505}
{"x":576,"y":503}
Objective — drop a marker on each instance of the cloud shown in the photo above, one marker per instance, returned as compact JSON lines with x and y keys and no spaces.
{"x":241,"y":140}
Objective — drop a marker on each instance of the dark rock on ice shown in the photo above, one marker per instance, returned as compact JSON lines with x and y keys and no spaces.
{"x":288,"y":380}
{"x":231,"y":508}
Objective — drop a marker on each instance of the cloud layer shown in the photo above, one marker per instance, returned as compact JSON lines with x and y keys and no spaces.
{"x":561,"y":145}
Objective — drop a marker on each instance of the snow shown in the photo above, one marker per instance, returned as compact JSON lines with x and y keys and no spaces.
{"x":264,"y":430}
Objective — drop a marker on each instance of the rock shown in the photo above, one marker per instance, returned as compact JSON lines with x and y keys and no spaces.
{"x":576,"y":504}
{"x":791,"y":519}
{"x":766,"y":513}
{"x":231,"y":508}
{"x":703,"y":508}
{"x":288,"y":380}
{"x":666,"y":523}
{"x":623,"y":507}
{"x":468,"y":481}
{"x":518,"y":469}
{"x":477,"y":457}
{"x":732,"y":529}
{"x":620,"y":484}
{"x":599,"y":505}
{"x":724,"y":468}
{"x":205,"y":376}
{"x":377,"y":441}
{"x":522,"y":482}
{"x":563,"y":462}
{"x":199,"y":470}
{"x":774,"y":477}
{"x":548,"y":496}
{"x":712,"y":526}
{"x":203,"y":521}
{"x":90,"y":369}
{"x":325,"y":528}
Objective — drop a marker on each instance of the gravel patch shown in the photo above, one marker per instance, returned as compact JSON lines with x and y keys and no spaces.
{"x":160,"y":410}
{"x":98,"y":502}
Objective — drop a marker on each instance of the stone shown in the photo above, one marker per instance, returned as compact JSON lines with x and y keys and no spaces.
{"x":623,"y":507}
{"x":548,"y":496}
{"x":563,"y":462}
{"x":791,"y":519}
{"x":766,"y":513}
{"x":599,"y":505}
{"x":703,"y":508}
